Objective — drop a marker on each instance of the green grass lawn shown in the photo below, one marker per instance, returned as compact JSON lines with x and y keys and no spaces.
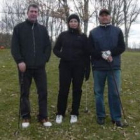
{"x":86,"y":128}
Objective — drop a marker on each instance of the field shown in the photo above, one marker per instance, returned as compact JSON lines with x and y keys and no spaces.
{"x":86,"y":128}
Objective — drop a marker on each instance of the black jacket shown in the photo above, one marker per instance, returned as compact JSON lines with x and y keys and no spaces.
{"x":31,"y":44}
{"x":105,"y":38}
{"x":72,"y":47}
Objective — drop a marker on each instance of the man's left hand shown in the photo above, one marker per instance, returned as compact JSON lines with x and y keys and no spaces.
{"x":110,"y":59}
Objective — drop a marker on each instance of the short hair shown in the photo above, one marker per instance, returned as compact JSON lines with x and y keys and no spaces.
{"x":33,"y":5}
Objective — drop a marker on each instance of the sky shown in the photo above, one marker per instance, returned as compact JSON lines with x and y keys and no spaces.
{"x":134,"y":35}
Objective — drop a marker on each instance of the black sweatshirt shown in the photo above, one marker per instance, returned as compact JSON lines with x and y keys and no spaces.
{"x":31,"y":44}
{"x":71,"y":46}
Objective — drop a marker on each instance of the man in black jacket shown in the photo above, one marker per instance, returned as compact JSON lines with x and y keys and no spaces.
{"x":107,"y":43}
{"x":31,"y":49}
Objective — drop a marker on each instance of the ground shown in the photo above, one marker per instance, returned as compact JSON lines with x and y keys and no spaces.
{"x":86,"y":128}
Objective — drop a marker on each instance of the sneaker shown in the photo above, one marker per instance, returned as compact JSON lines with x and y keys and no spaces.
{"x":46,"y":123}
{"x":25,"y":123}
{"x":101,"y":120}
{"x":59,"y":119}
{"x":73,"y":119}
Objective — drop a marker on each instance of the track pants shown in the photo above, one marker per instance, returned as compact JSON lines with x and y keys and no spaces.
{"x":70,"y":72}
{"x":39,"y":76}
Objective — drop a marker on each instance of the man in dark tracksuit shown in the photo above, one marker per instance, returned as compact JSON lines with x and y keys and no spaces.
{"x":31,"y":49}
{"x":107,"y":43}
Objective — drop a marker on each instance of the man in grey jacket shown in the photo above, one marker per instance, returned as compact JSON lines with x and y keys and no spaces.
{"x":107,"y":45}
{"x":31,"y":49}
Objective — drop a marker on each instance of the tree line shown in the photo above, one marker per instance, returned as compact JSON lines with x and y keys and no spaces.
{"x":54,"y":14}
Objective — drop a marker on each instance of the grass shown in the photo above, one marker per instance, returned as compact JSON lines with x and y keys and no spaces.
{"x":86,"y":128}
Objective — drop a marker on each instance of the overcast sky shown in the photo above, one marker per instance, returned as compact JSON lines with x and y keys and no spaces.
{"x":134,"y":35}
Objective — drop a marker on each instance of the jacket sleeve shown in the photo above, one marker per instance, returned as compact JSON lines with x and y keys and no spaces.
{"x":15,"y":46}
{"x":87,"y":68}
{"x":48,"y":47}
{"x":87,"y":52}
{"x":87,"y":47}
{"x":58,"y":46}
{"x":120,"y":46}
{"x":96,"y":54}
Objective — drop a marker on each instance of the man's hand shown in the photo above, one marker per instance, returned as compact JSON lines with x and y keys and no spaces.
{"x":22,"y":66}
{"x":106,"y":54}
{"x":110,"y":59}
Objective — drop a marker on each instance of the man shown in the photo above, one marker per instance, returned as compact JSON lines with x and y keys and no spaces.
{"x":107,"y":43}
{"x":31,"y":50}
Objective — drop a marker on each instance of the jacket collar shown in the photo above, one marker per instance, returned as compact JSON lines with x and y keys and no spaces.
{"x":73,"y":31}
{"x":31,"y":23}
{"x":105,"y":25}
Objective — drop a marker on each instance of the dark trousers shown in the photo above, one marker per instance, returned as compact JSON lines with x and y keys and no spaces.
{"x":39,"y":76}
{"x":70,"y":72}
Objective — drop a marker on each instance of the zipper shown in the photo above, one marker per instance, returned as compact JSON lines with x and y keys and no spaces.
{"x":33,"y":40}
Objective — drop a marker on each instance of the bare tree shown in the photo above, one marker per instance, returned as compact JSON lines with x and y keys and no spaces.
{"x":84,"y":11}
{"x":116,"y":9}
{"x":53,"y":13}
{"x":65,"y":8}
{"x":131,"y":12}
{"x":12,"y":14}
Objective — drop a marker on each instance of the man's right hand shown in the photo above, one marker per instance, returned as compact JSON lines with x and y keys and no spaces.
{"x":22,"y":67}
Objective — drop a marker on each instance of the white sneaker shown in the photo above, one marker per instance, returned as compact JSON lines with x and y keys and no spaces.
{"x":45,"y":123}
{"x":25,"y":123}
{"x":73,"y":119}
{"x":59,"y":119}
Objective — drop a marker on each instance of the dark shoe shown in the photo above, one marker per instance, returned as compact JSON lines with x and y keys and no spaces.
{"x":113,"y":121}
{"x":101,"y":120}
{"x":118,"y":123}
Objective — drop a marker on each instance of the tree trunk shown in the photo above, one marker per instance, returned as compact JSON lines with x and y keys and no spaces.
{"x":125,"y":24}
{"x":86,"y":15}
{"x":85,"y":26}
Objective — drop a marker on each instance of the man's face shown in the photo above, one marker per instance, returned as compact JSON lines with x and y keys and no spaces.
{"x":104,"y":18}
{"x":32,"y":14}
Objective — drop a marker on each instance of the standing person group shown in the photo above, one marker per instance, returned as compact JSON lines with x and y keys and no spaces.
{"x":31,"y":49}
